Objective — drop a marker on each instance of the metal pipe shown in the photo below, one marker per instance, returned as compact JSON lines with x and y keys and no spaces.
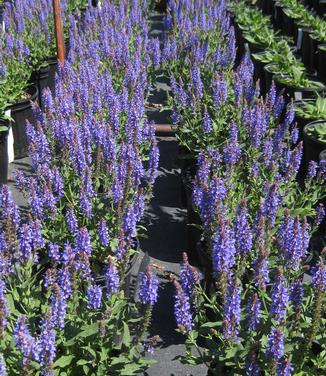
{"x":58,"y":31}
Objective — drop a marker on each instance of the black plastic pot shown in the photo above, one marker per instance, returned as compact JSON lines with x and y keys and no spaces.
{"x":53,"y":67}
{"x":276,"y":15}
{"x":321,"y":62}
{"x":184,"y":160}
{"x":309,"y":3}
{"x":299,"y":120}
{"x":283,"y":21}
{"x":297,"y":93}
{"x":269,"y":7}
{"x":240,"y":43}
{"x":128,"y":272}
{"x":20,"y":112}
{"x":262,"y":5}
{"x":305,"y":46}
{"x":4,"y":153}
{"x":205,"y":260}
{"x":312,"y":147}
{"x":320,"y":7}
{"x":290,"y":27}
{"x":161,"y":6}
{"x":41,"y":78}
{"x":259,"y":74}
{"x":309,"y":49}
{"x":194,"y":233}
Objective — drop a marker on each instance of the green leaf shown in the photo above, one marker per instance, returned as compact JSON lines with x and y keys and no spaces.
{"x":129,"y":370}
{"x":88,"y":330}
{"x":64,"y":361}
{"x":126,"y":339}
{"x":82,"y":362}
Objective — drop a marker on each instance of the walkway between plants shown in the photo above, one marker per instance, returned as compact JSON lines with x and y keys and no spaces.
{"x":166,"y":223}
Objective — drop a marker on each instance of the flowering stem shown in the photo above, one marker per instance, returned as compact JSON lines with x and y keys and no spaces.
{"x":316,"y":317}
{"x":144,"y":323}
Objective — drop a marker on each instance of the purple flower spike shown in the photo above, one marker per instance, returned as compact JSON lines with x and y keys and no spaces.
{"x":25,"y":242}
{"x":272,"y":203}
{"x":312,"y":169}
{"x":71,"y":220}
{"x":59,"y":307}
{"x":54,"y":252}
{"x":232,"y":310}
{"x":319,"y":276}
{"x":252,"y":368}
{"x":94,"y":297}
{"x":254,"y":310}
{"x":280,"y":298}
{"x":3,"y":371}
{"x":148,"y":287}
{"x":182,"y":309}
{"x":320,"y":214}
{"x":112,"y":279}
{"x":188,"y":277}
{"x":261,"y":269}
{"x":275,"y":349}
{"x":285,"y":368}
{"x":8,"y":208}
{"x":197,"y":82}
{"x":37,"y":237}
{"x":207,"y":123}
{"x":83,"y":242}
{"x":103,"y":233}
{"x":47,"y":346}
{"x":3,"y":308}
{"x":242,"y":231}
{"x":296,"y":293}
{"x":232,"y":150}
{"x":25,"y":342}
{"x":223,"y":249}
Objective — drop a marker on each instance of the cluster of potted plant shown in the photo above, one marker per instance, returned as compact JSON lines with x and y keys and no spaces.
{"x":301,"y":23}
{"x":258,"y":307}
{"x":273,"y":56}
{"x":64,"y":266}
{"x":27,"y":64}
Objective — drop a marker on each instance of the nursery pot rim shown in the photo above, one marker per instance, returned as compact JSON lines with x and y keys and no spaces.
{"x":312,"y":73}
{"x":322,"y":45}
{"x":296,"y":103}
{"x":300,"y":88}
{"x":308,"y":136}
{"x":23,"y":104}
{"x":52,"y":60}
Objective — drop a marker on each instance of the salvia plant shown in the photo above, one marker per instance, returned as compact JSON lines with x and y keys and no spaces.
{"x":259,"y":309}
{"x":63,"y":305}
{"x":26,"y":43}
